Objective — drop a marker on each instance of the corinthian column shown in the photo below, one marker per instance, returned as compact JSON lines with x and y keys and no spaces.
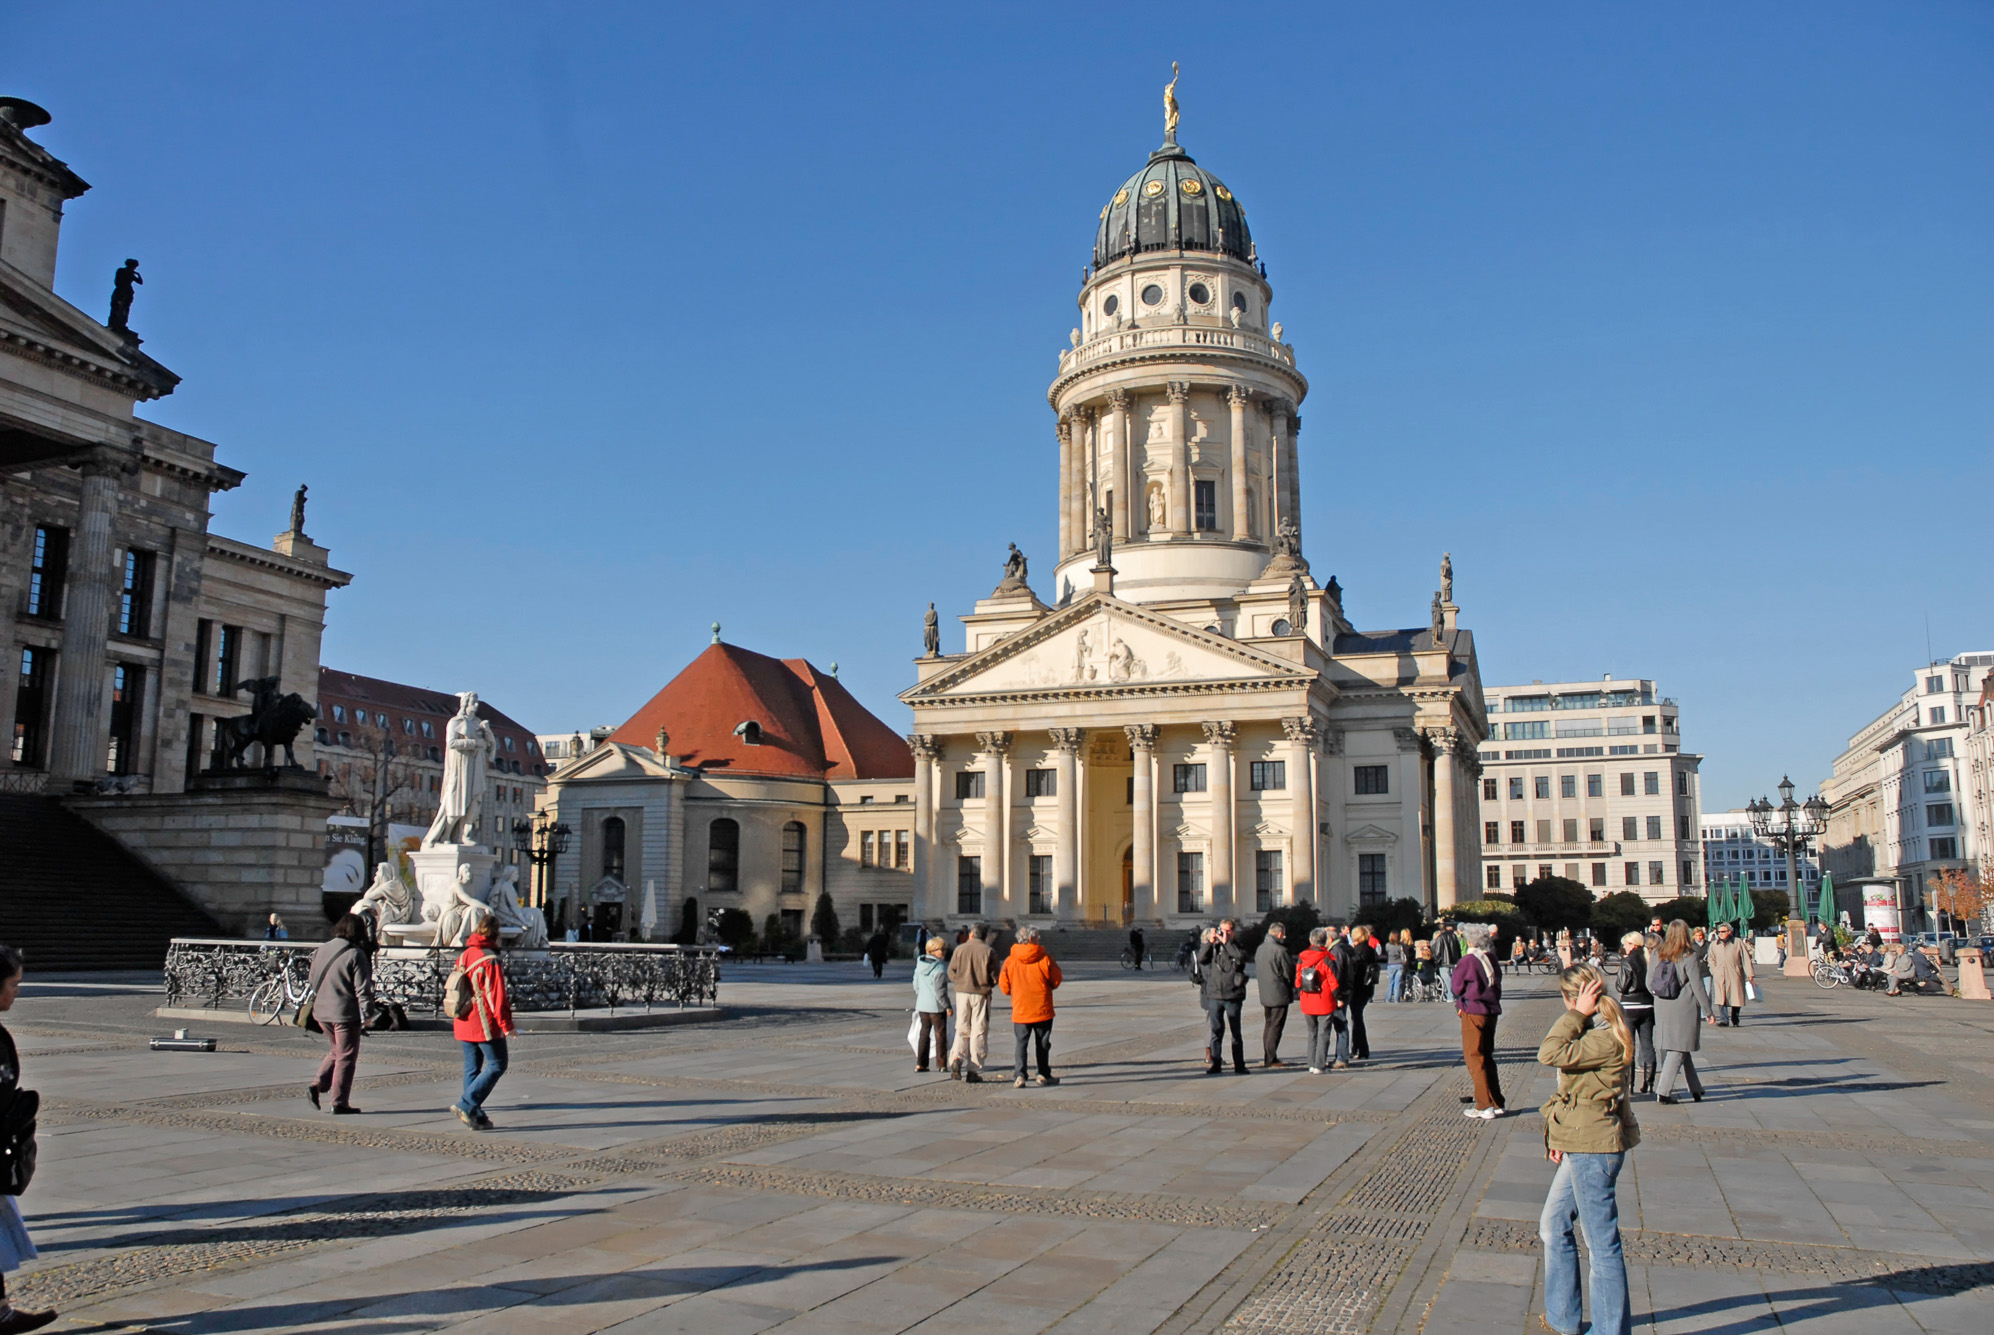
{"x":1142,"y":850}
{"x":1079,"y":509}
{"x":1066,"y":452}
{"x":929,"y":904}
{"x":1122,"y":473}
{"x":1242,"y":523}
{"x":1066,"y":852}
{"x":1446,"y":891}
{"x":1277,"y":465}
{"x":1180,"y":457}
{"x":996,"y":824}
{"x":1220,"y":738}
{"x":1301,"y":734}
{"x":1295,"y":472}
{"x":81,"y":732}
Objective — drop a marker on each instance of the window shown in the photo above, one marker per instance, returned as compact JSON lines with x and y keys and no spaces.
{"x":216,"y":649}
{"x":1688,"y":872}
{"x":899,"y":848}
{"x":1519,"y":875}
{"x":612,"y":847}
{"x":1491,"y":831}
{"x":1264,"y":776}
{"x":1373,"y":780}
{"x":1654,"y":827}
{"x":1543,"y":831}
{"x":1371,"y":880}
{"x":1596,"y":785}
{"x":1494,"y":877}
{"x":1938,"y":748}
{"x":1938,"y":715}
{"x":865,"y":800}
{"x":1517,"y":732}
{"x":1041,"y":884}
{"x":1655,"y":874}
{"x":1633,"y":873}
{"x":1935,"y":685}
{"x":1190,"y":882}
{"x":46,"y":570}
{"x":1938,"y":781}
{"x":1945,"y":846}
{"x":968,"y":784}
{"x":339,"y":713}
{"x":1651,"y":784}
{"x":408,"y":728}
{"x":1571,"y":830}
{"x":31,"y":706}
{"x":793,"y":845}
{"x":1515,"y":789}
{"x":1266,"y":879}
{"x":1207,"y":495}
{"x":1682,"y":783}
{"x":135,"y":596}
{"x":1568,"y":785}
{"x":1630,"y":827}
{"x":1596,"y":831}
{"x":1627,"y":784}
{"x":1488,"y":790}
{"x":723,"y":856}
{"x":1599,"y":873}
{"x":507,"y":740}
{"x":1938,"y":813}
{"x":127,"y":699}
{"x":1647,"y":723}
{"x":1187,"y":778}
{"x":428,"y":730}
{"x":866,"y":853}
{"x":1528,"y":704}
{"x":968,"y":884}
{"x":1516,"y":832}
{"x":1542,"y":785}
{"x":1041,"y":783}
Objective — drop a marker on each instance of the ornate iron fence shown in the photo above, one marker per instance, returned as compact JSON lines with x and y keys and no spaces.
{"x":218,"y":973}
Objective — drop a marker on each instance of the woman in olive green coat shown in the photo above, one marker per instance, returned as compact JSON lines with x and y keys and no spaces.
{"x":1588,"y":1129}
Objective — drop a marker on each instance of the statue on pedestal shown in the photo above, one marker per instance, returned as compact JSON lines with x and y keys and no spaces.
{"x":470,"y":745}
{"x":298,"y":509}
{"x":121,"y":296}
{"x":1104,"y":538}
{"x":931,"y":633}
{"x":1298,"y":606}
{"x":1439,"y":623}
{"x":1446,"y":577}
{"x":274,"y":719}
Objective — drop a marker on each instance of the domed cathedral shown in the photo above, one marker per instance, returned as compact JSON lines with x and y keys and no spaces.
{"x":1190,"y":728}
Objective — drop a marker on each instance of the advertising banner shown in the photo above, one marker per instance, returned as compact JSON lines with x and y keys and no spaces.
{"x":1879,"y":911}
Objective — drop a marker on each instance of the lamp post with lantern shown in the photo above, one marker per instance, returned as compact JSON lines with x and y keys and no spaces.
{"x":1792,"y":826}
{"x":540,"y":841}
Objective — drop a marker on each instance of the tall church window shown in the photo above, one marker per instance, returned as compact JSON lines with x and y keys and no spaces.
{"x":968,"y":884}
{"x":723,"y":856}
{"x":135,"y":596}
{"x":127,"y":694}
{"x":1371,"y":879}
{"x":46,"y":571}
{"x":792,"y":857}
{"x":1207,"y":496}
{"x":31,"y":706}
{"x":612,"y":847}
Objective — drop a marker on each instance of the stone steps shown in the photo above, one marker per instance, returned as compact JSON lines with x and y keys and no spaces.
{"x":71,"y":897}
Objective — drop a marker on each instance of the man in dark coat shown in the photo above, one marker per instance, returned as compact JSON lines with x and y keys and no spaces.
{"x":1224,"y":966}
{"x":1136,"y":945}
{"x":1274,"y":970}
{"x":875,"y":951}
{"x":1363,"y":983}
{"x":1446,"y":954}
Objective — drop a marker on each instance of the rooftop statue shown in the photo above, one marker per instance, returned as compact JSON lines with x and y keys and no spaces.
{"x":1298,"y":606}
{"x":121,"y":296}
{"x":1170,"y":107}
{"x":1104,"y":538}
{"x":298,"y":509}
{"x":1446,"y":577}
{"x":931,"y":633}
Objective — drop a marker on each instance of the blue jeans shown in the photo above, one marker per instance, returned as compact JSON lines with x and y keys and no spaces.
{"x":1583,"y":1191}
{"x":1394,"y":981}
{"x":484,"y":1063}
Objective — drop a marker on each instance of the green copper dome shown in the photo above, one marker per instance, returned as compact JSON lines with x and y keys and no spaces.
{"x":1172,"y":204}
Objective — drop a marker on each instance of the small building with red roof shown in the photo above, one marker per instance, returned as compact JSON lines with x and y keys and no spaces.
{"x":747,"y":782}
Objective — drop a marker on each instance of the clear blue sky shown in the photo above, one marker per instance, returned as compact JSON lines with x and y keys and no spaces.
{"x":592,"y":325}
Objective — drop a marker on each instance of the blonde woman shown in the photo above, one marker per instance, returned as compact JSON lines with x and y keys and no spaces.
{"x":1588,"y":1128}
{"x":1676,"y":982}
{"x":1638,"y":1003}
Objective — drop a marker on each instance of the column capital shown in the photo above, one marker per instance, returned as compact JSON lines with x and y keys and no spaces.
{"x":994,"y":743}
{"x":1220,"y":734}
{"x":1301,"y":730}
{"x":1237,"y":395}
{"x":1278,"y":407}
{"x":1064,"y":428}
{"x":106,"y":461}
{"x":925,"y":746}
{"x":1409,"y":740}
{"x":1330,"y":740}
{"x":1118,"y":399}
{"x":1142,"y":736}
{"x":1067,"y":740}
{"x":1178,"y":390}
{"x":1294,"y":425}
{"x":1443,"y":740}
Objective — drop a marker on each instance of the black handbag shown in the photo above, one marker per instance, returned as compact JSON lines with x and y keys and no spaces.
{"x":17,"y":1142}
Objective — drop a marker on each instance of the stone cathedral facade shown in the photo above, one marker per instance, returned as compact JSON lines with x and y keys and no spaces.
{"x":1188,"y":727}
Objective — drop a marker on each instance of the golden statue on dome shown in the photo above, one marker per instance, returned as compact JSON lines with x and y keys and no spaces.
{"x":1170,"y":107}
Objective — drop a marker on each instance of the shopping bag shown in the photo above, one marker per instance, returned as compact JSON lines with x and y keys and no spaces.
{"x":1751,"y":990}
{"x":914,"y":1032}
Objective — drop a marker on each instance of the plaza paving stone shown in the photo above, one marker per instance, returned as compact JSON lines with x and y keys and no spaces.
{"x":787,"y":1169}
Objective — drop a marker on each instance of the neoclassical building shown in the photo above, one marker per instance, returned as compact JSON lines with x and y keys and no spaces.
{"x":1189,"y":727}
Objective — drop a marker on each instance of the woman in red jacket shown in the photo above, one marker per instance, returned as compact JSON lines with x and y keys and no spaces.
{"x":1319,"y":1005}
{"x":483,"y":1032}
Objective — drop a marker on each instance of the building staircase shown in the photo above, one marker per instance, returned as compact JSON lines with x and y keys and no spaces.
{"x":72,"y":897}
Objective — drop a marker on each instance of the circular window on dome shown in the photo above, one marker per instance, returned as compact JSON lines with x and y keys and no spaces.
{"x":1151,"y":295}
{"x":1200,"y":295}
{"x":1153,"y":189}
{"x":1221,"y":192}
{"x":1111,"y":305}
{"x":1282,"y":627}
{"x":1121,"y":196}
{"x":1191,"y":186}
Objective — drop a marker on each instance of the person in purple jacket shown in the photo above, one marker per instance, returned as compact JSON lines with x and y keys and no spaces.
{"x":1477,"y":989}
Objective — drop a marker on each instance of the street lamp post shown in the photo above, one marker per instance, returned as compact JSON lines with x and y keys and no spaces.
{"x":540,"y":841}
{"x":1792,"y":826}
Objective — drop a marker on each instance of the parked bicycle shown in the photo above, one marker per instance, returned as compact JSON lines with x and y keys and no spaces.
{"x":1128,"y":958}
{"x":284,"y":993}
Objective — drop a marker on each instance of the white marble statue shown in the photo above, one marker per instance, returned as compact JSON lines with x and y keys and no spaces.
{"x":531,"y":922}
{"x":467,"y":754}
{"x":464,"y":908}
{"x":390,"y":901}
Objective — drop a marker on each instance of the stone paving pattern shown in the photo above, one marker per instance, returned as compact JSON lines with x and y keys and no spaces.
{"x":787,"y":1169}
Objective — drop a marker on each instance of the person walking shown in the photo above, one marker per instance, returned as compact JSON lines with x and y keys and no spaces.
{"x":931,"y":1004}
{"x":1681,"y":1005}
{"x":1638,"y":1004}
{"x":1029,"y":978}
{"x":972,"y":973}
{"x":1446,"y":954}
{"x":1476,"y":985}
{"x":484,"y":1028}
{"x":875,"y":953}
{"x":1730,"y":966}
{"x":340,"y":984}
{"x":1364,"y":985}
{"x":1224,"y":993}
{"x":17,"y":1114}
{"x":1398,"y":954}
{"x":1588,"y":1128}
{"x":1315,"y":987}
{"x":1274,"y":970}
{"x":1137,"y":945}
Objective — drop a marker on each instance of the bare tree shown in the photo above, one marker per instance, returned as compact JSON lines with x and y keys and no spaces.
{"x":371,"y":785}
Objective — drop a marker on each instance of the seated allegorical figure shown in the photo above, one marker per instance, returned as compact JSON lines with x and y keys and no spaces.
{"x":390,"y":900}
{"x":531,"y":922}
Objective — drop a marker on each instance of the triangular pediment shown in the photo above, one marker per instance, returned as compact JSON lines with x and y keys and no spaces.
{"x":39,"y":317}
{"x":1371,"y":834}
{"x":1101,"y":645}
{"x":614,"y":760}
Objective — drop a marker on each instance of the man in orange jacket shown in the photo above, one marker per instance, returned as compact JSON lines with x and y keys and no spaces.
{"x":1028,"y":979}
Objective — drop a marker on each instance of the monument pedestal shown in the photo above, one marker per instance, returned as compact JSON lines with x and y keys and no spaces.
{"x":436,"y":876}
{"x":1798,"y":964}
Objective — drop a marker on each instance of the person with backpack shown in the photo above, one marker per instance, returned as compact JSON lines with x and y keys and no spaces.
{"x":339,"y":991}
{"x":17,"y":1136}
{"x":1222,"y":965}
{"x":1274,"y":970}
{"x":1676,"y":982}
{"x":1446,"y":954}
{"x":475,"y":997}
{"x":1315,"y":988}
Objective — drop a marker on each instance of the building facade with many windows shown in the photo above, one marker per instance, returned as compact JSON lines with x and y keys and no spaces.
{"x":1588,"y":780}
{"x":1732,"y":851}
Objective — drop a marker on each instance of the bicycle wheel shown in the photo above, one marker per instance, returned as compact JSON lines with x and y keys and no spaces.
{"x":266,"y":1003}
{"x":1128,"y":960}
{"x":1825,"y":975}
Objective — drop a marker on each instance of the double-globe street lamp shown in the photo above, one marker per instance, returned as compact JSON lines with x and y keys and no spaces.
{"x":1792,"y":826}
{"x":540,"y":841}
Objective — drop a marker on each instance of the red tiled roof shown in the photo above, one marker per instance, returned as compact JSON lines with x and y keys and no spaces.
{"x":811,"y":726}
{"x":398,"y":702}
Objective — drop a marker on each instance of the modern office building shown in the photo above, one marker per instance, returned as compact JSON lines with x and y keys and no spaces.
{"x":1588,"y":780}
{"x":1731,"y":851}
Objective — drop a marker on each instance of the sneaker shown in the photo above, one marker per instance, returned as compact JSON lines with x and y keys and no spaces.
{"x":1315,"y":1070}
{"x":971,"y":1078}
{"x":484,"y":1121}
{"x":955,"y":1070}
{"x":1339,"y":1066}
{"x":1473,"y":1113}
{"x":345,"y":1110}
{"x":311,"y":1092}
{"x":467,"y":1118}
{"x":1048,"y":1080}
{"x":1018,"y":1083}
